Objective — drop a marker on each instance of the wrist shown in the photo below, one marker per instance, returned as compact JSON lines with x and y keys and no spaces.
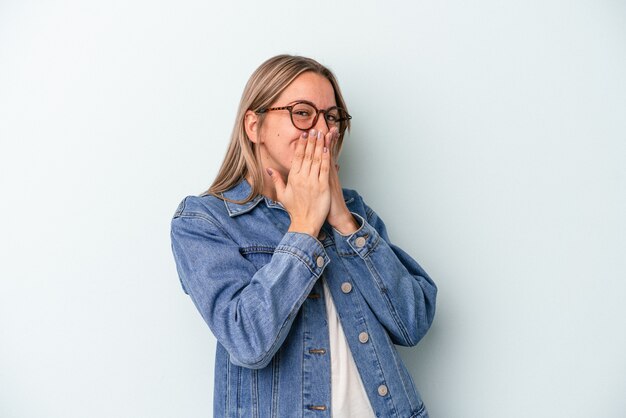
{"x":345,"y":225}
{"x":303,"y":228}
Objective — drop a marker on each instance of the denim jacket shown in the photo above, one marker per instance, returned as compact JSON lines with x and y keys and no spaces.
{"x":257,"y":287}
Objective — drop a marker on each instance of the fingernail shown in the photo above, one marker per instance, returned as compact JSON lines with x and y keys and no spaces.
{"x":305,"y":134}
{"x":313,"y":132}
{"x":269,"y":171}
{"x":319,"y":135}
{"x":325,"y":149}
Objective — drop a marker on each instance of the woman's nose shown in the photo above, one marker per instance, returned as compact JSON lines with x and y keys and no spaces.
{"x":321,"y":125}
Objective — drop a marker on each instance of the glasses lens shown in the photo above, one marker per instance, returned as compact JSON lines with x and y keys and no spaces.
{"x":303,"y":115}
{"x":336,"y":117}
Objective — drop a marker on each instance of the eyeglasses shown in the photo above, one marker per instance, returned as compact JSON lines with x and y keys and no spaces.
{"x":304,"y":115}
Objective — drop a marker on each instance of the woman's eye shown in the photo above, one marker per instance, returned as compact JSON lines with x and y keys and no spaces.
{"x":302,"y":113}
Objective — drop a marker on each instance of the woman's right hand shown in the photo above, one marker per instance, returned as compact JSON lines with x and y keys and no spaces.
{"x":306,"y":196}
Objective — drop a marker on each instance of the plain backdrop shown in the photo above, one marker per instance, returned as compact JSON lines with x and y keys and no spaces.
{"x":489,"y":135}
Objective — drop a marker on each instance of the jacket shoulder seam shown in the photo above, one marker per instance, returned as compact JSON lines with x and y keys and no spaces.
{"x":205,"y":217}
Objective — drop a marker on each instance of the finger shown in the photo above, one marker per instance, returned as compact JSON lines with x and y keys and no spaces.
{"x":332,"y":137}
{"x":317,"y":156}
{"x":335,"y":146}
{"x":328,"y":138}
{"x":298,"y":155}
{"x":308,"y":152}
{"x":325,"y":166}
{"x":333,"y":174}
{"x":278,"y":183}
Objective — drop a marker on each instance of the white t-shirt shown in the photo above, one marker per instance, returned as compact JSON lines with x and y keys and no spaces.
{"x":348,"y":397}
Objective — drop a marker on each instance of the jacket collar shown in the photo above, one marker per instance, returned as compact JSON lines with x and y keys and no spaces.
{"x":240,"y":192}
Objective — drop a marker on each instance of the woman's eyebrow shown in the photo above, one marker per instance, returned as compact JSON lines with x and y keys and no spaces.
{"x":309,"y":102}
{"x":300,"y":101}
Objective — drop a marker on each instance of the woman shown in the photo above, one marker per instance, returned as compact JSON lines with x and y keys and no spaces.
{"x":295,"y":276}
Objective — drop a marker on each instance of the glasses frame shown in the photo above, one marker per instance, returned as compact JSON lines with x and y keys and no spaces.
{"x":317,"y":114}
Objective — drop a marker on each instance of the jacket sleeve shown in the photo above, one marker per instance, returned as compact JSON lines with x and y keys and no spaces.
{"x":249,"y":311}
{"x":396,"y":288}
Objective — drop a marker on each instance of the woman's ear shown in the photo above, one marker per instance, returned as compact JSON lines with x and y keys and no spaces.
{"x":251,"y":124}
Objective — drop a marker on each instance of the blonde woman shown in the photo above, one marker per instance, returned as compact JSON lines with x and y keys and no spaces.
{"x":296,"y":276}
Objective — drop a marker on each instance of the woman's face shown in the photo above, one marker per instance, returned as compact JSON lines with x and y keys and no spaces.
{"x":278,"y":137}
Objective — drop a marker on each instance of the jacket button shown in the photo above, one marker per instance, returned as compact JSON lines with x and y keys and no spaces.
{"x":320,"y":261}
{"x":321,"y":236}
{"x":316,"y":407}
{"x":382,"y":390}
{"x":346,"y":287}
{"x":360,"y":242}
{"x":364,"y":337}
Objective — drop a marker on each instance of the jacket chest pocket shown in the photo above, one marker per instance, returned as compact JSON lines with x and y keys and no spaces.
{"x":258,"y":255}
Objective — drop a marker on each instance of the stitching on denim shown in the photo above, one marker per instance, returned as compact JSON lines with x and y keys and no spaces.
{"x":238,"y":391}
{"x":380,"y":369}
{"x":302,"y":374}
{"x":357,"y":302}
{"x":275,"y":383}
{"x":240,"y":209}
{"x":304,"y":258}
{"x":254,"y":376}
{"x":373,"y":245}
{"x":394,"y":354}
{"x":228,"y":371}
{"x":420,"y":412}
{"x":312,"y":270}
{"x":254,"y":249}
{"x":348,"y":254}
{"x":317,"y":243}
{"x":198,"y":215}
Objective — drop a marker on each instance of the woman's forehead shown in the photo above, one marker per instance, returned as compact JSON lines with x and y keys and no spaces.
{"x":310,"y":87}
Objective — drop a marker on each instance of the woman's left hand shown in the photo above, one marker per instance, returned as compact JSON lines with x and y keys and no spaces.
{"x":339,"y":216}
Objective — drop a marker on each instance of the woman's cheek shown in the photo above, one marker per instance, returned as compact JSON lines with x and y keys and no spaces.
{"x":291,"y":151}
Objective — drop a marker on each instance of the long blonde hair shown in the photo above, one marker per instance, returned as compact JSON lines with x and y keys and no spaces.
{"x":263,"y":88}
